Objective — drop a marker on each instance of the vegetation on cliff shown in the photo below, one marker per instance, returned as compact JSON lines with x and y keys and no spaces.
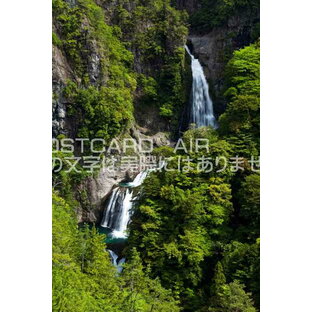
{"x":194,"y":236}
{"x":135,"y":52}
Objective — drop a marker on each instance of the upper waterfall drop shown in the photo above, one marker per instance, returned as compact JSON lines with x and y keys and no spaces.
{"x":201,"y":113}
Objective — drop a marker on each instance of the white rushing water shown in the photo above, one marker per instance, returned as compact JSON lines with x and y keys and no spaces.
{"x":201,"y":112}
{"x":118,"y":212}
{"x":120,"y":264}
{"x":139,"y":179}
{"x":115,"y":262}
{"x":113,"y":256}
{"x":107,"y":220}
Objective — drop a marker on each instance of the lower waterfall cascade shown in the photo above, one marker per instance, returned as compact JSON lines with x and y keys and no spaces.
{"x":201,"y":112}
{"x":116,"y":263}
{"x":119,"y":207}
{"x":118,"y":213}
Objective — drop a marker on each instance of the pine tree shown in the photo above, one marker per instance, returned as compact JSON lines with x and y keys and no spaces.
{"x":232,"y":298}
{"x":143,"y":293}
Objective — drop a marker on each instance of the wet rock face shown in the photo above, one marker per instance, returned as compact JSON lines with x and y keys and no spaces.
{"x":209,"y":49}
{"x":58,"y":118}
{"x":94,"y":68}
{"x":147,"y":116}
{"x":60,"y":73}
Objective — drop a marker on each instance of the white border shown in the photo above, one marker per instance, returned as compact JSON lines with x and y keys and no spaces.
{"x":285,"y":164}
{"x":25,"y":155}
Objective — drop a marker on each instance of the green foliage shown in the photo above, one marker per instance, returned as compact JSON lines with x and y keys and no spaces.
{"x":172,"y":95}
{"x":82,"y":25}
{"x":218,"y":280}
{"x":80,"y":266}
{"x":143,"y":293}
{"x":218,"y":147}
{"x":232,"y":298}
{"x":242,"y":262}
{"x":193,"y":237}
{"x":156,"y":32}
{"x":148,"y":87}
{"x":85,"y":280}
{"x":68,"y":19}
{"x":179,"y":220}
{"x":185,"y":220}
{"x":113,"y":52}
{"x":240,"y":123}
{"x":99,"y":112}
{"x":163,"y":151}
{"x":249,"y":201}
{"x":103,"y":108}
{"x":64,"y":178}
{"x":56,"y":40}
{"x":243,"y":71}
{"x":173,"y":225}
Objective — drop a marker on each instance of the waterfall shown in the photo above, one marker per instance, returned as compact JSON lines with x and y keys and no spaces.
{"x":120,"y":264}
{"x":118,"y":211}
{"x":139,"y":179}
{"x":113,"y":256}
{"x":201,"y":112}
{"x":108,"y":217}
{"x":117,"y":214}
{"x":115,"y":262}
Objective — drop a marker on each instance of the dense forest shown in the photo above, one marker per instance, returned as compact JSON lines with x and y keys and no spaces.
{"x":120,"y":70}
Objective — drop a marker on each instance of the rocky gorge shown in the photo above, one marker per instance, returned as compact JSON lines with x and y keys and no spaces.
{"x":212,"y":48}
{"x":139,"y":225}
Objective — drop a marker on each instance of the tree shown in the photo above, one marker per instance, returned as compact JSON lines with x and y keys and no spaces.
{"x":83,"y":277}
{"x":241,"y":262}
{"x":242,"y":73}
{"x":218,"y":280}
{"x":232,"y":298}
{"x":227,"y":297}
{"x":249,"y":200}
{"x":240,"y":123}
{"x":142,"y":293}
